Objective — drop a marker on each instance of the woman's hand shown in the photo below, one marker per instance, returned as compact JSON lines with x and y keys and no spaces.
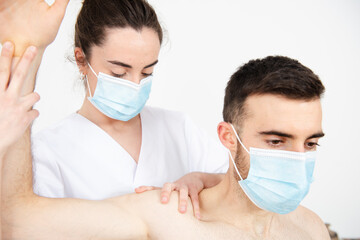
{"x":16,"y":111}
{"x":30,"y":22}
{"x":189,"y":185}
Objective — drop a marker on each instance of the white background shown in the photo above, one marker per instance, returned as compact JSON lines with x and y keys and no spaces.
{"x":207,"y":40}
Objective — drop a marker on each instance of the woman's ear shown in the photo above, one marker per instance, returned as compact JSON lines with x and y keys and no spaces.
{"x":81,"y":60}
{"x":226,"y":136}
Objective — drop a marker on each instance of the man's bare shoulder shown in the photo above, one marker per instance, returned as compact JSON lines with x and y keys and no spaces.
{"x":310,"y":222}
{"x":162,"y":221}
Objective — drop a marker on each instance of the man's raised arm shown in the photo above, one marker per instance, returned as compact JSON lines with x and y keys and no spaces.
{"x":27,"y":216}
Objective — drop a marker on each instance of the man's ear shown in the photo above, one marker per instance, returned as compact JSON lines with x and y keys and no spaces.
{"x":227,"y":136}
{"x":81,"y":61}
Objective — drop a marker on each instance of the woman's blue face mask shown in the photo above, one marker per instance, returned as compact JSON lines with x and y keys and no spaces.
{"x":118,"y":98}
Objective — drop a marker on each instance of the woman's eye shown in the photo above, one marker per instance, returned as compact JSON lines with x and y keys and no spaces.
{"x":118,"y":75}
{"x":147,"y":74}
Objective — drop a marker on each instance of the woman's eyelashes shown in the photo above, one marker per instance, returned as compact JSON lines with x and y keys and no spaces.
{"x":147,"y":74}
{"x":124,"y":74}
{"x":117,"y":75}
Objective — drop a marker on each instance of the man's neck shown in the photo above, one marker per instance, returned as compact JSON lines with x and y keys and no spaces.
{"x":227,"y":203}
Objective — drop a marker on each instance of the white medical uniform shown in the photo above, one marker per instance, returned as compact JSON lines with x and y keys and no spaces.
{"x":78,"y":159}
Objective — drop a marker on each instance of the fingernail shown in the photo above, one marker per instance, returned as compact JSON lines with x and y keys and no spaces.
{"x":32,"y":49}
{"x":163,"y":199}
{"x":7,"y":45}
{"x":198,"y":216}
{"x":182,"y":209}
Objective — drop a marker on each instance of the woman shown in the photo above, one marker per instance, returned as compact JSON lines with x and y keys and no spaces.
{"x":114,"y":144}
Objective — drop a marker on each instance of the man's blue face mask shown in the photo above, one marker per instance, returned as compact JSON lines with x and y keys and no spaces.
{"x":277,"y":180}
{"x":118,"y":98}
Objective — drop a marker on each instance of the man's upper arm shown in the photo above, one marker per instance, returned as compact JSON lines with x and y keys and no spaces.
{"x":43,"y":218}
{"x":47,"y":179}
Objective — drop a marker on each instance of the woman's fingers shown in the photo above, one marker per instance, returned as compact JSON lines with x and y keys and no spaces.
{"x":142,"y":189}
{"x":183,"y":198}
{"x":166,"y":191}
{"x":194,"y":195}
{"x":5,"y":64}
{"x":19,"y":76}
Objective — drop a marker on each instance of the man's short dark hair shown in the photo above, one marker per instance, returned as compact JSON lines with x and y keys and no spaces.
{"x":276,"y":75}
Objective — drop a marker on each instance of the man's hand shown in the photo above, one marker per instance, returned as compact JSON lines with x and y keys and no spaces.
{"x":16,"y":111}
{"x":30,"y":22}
{"x":189,"y":185}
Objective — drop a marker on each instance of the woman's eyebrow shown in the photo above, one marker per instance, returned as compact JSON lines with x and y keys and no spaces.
{"x":152,"y":64}
{"x":120,"y":64}
{"x":129,"y":66}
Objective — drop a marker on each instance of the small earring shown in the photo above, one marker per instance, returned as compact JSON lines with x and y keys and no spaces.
{"x":82,"y":76}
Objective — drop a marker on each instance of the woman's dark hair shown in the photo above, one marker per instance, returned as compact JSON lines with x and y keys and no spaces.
{"x":98,"y":15}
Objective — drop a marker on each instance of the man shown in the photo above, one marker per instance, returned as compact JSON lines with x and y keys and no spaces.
{"x":270,"y":104}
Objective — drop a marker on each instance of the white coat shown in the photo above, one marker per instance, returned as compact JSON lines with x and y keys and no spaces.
{"x":78,"y":159}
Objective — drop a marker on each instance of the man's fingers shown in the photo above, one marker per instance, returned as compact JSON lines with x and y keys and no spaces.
{"x":19,"y":76}
{"x":166,"y":191}
{"x":5,"y":64}
{"x":59,"y":8}
{"x":183,"y":199}
{"x":142,"y":189}
{"x":29,"y":100}
{"x":32,"y":115}
{"x":195,"y":202}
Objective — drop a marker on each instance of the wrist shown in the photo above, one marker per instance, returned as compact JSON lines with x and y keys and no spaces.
{"x":20,"y":48}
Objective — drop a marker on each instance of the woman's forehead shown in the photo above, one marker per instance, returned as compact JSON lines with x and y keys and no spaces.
{"x":129,"y":45}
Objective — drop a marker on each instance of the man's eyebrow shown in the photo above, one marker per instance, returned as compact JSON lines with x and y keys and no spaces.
{"x":277,"y":133}
{"x":129,"y":66}
{"x":317,"y":135}
{"x":281,"y":134}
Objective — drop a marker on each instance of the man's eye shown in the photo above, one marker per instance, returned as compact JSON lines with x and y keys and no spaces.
{"x":274,"y":142}
{"x":312,"y":145}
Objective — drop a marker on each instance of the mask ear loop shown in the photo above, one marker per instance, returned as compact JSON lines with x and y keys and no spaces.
{"x":237,"y":136}
{"x":87,"y":81}
{"x":232,"y":159}
{"x":92,"y":69}
{"x":88,"y":86}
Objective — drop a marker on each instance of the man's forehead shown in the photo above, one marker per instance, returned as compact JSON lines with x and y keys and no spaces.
{"x":268,"y":112}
